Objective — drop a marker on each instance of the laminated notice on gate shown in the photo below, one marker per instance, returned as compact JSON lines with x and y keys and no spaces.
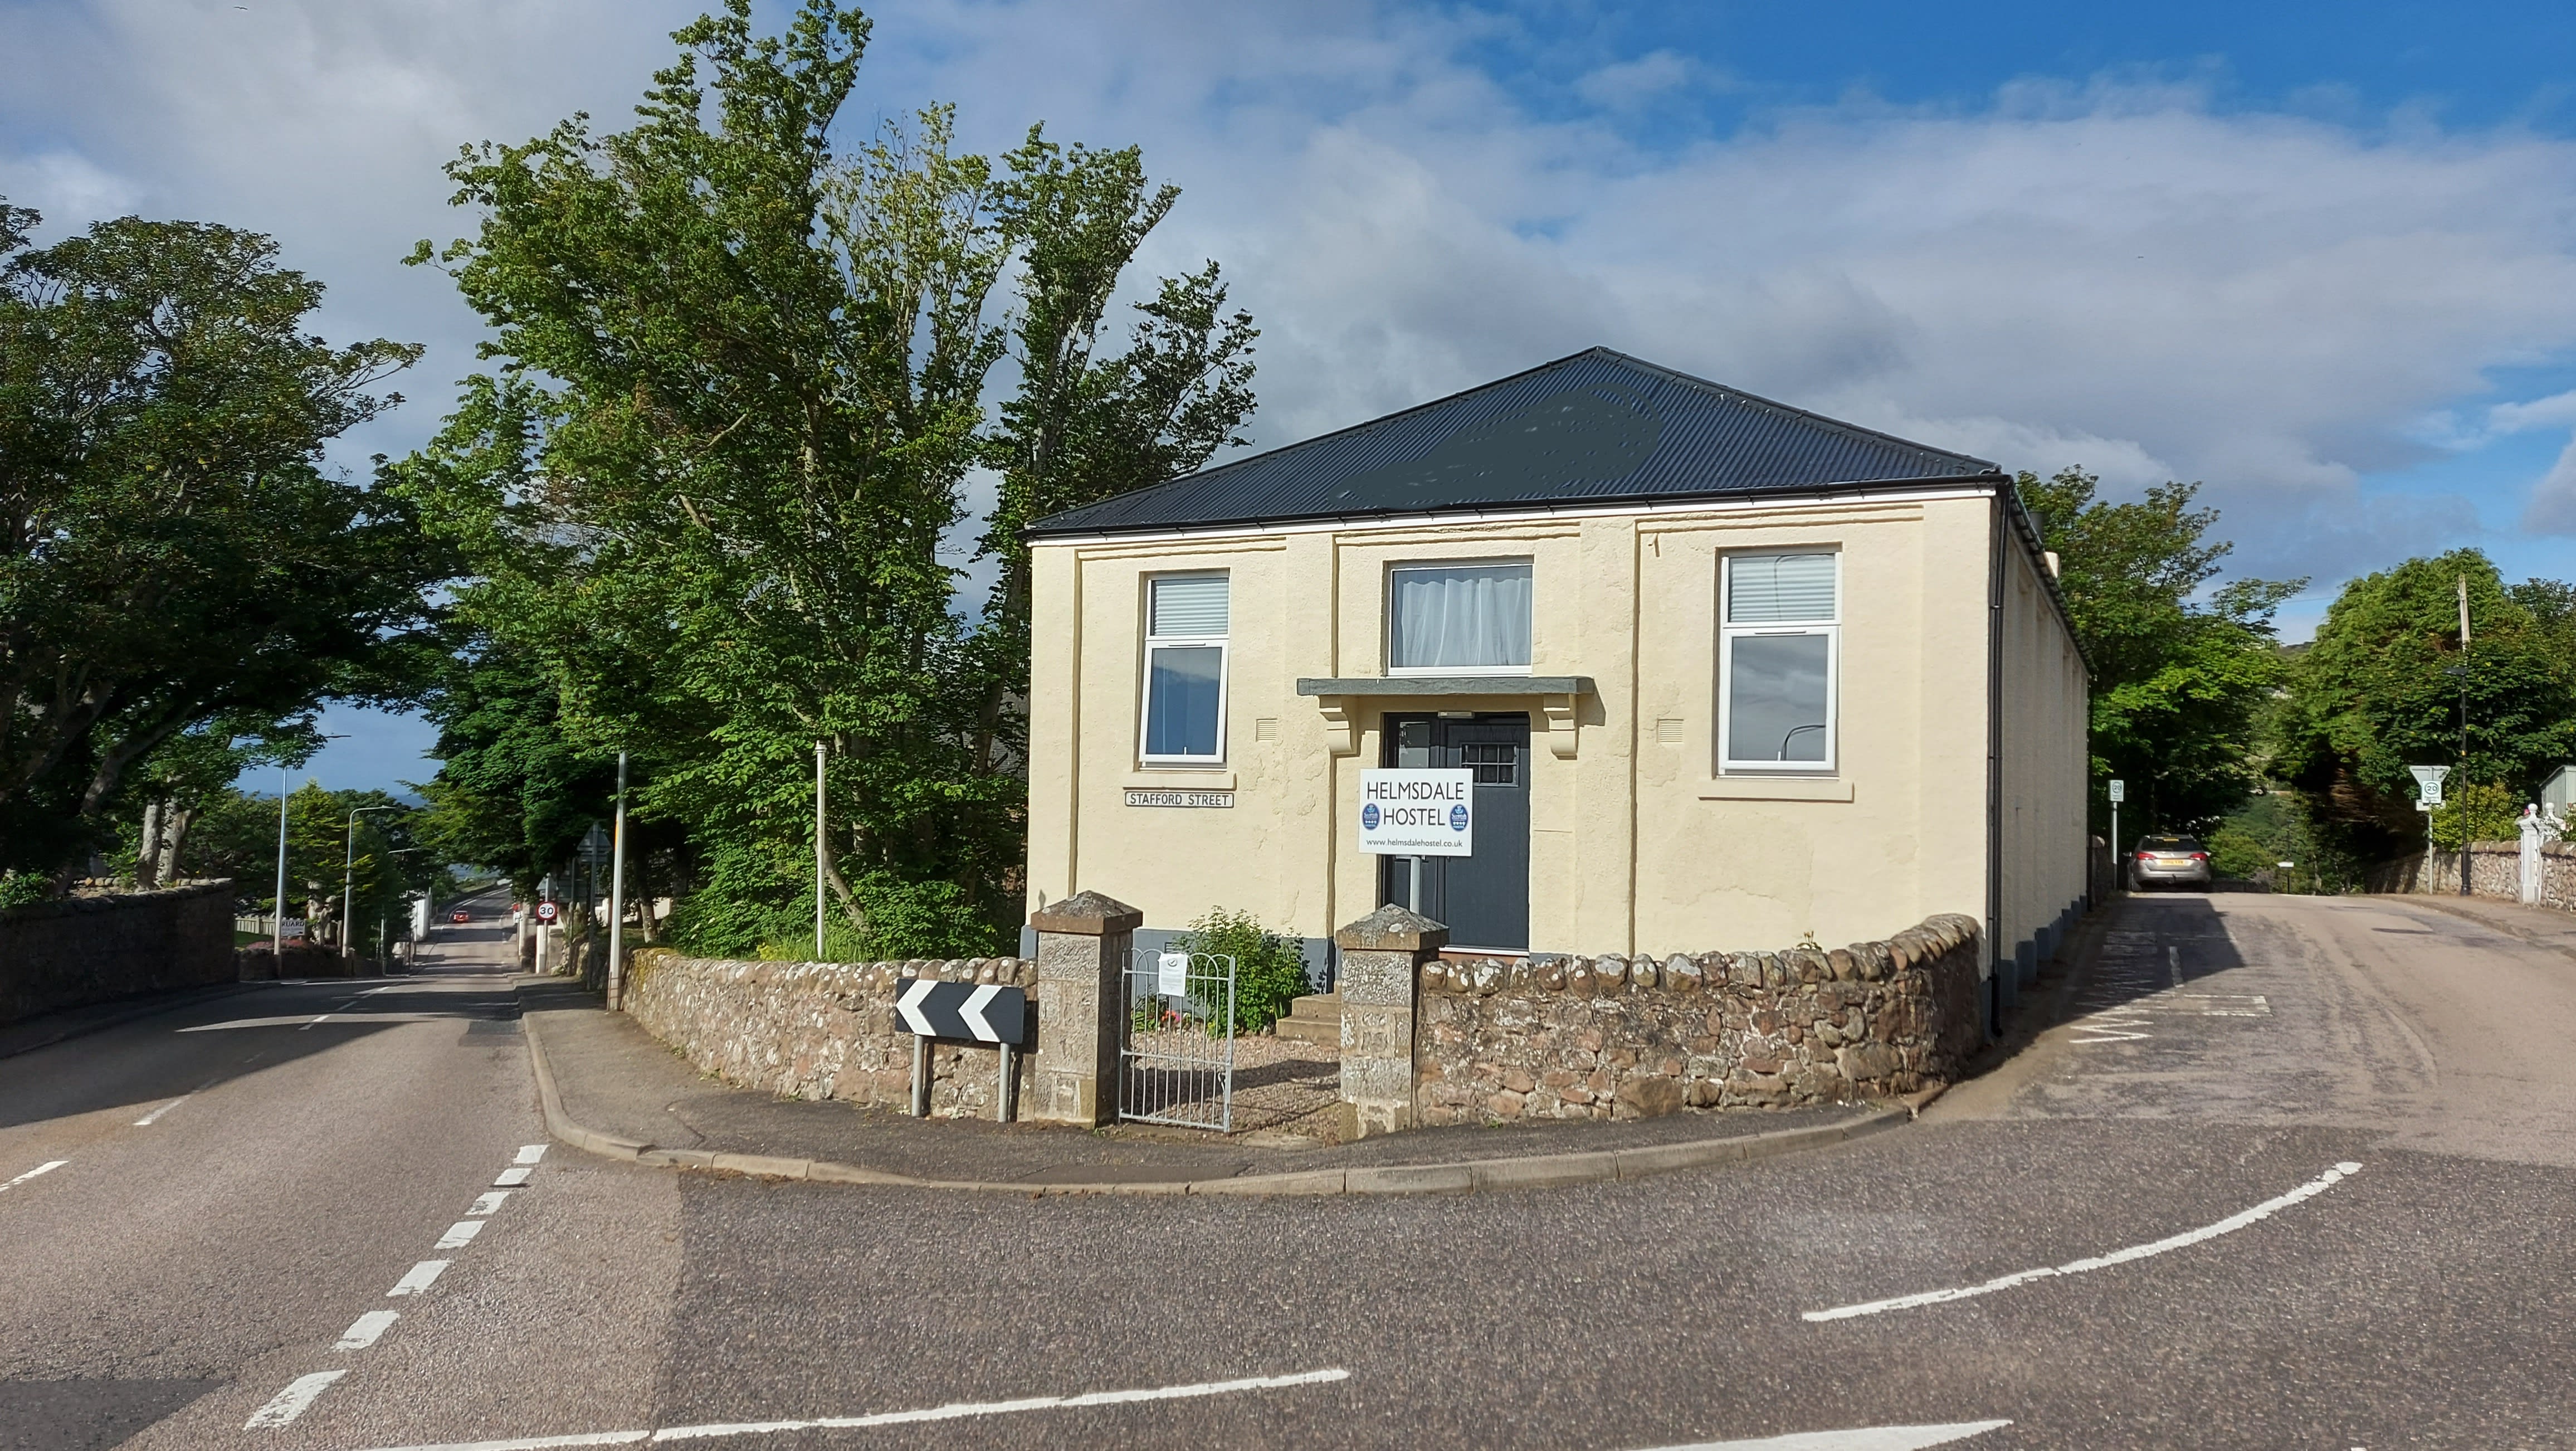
{"x":1172,"y":974}
{"x":1418,"y":813}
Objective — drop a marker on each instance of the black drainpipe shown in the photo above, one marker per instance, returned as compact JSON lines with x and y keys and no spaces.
{"x":1997,"y":996}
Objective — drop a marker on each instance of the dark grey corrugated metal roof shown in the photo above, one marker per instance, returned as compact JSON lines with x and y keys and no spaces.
{"x":1596,"y":428}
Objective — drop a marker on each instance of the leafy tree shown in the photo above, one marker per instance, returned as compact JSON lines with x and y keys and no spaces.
{"x":2180,"y":680}
{"x":2381,"y":688}
{"x":173,"y":559}
{"x":742,"y":387}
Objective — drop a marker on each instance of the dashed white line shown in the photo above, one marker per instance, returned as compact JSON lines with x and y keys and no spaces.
{"x":460,"y":1234}
{"x":291,"y":1402}
{"x":362,"y":1332}
{"x":956,"y":1411}
{"x":489,"y":1203}
{"x":420,"y":1277}
{"x":1862,"y":1438}
{"x":44,"y":1168}
{"x":148,"y":1119}
{"x":2186,"y":1239}
{"x":530,"y":1154}
{"x":513,"y":1178}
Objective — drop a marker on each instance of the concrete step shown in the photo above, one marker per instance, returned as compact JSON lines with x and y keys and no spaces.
{"x":1315,"y":1018}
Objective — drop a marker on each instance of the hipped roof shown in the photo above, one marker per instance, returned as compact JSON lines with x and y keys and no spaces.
{"x":1596,"y":428}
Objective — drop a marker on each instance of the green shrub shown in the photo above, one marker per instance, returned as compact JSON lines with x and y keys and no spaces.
{"x":19,"y":889}
{"x":1269,"y":969}
{"x":2235,"y":854}
{"x":2489,"y":812}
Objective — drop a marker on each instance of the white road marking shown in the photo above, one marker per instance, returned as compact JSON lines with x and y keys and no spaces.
{"x":956,"y":1411}
{"x":513,"y":1178}
{"x":300,"y":1021}
{"x":460,"y":1234}
{"x":2185,"y":1240}
{"x":44,"y":1168}
{"x":291,"y":1402}
{"x":530,"y":1154}
{"x":489,"y":1203}
{"x":1861,"y":1438}
{"x":146,"y":1121}
{"x":420,"y":1277}
{"x":362,"y":1332}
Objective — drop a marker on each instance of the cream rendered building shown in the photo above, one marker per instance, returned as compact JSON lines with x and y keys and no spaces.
{"x":1728,"y":674}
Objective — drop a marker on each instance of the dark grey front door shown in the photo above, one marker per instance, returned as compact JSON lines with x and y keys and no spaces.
{"x":1484,"y":899}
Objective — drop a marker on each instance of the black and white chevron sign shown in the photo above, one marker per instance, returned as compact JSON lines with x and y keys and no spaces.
{"x":966,"y":1011}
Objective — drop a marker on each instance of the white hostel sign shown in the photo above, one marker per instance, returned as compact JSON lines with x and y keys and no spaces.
{"x":1418,"y":813}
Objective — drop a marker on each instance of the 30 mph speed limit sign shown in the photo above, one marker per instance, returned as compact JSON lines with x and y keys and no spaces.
{"x":545,"y":911}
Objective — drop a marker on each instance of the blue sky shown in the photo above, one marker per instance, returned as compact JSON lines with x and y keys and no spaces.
{"x":2322,"y":258}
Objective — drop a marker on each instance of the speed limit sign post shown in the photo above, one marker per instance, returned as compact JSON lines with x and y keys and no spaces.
{"x":547,"y":912}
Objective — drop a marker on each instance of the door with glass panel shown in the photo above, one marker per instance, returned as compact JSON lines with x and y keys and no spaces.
{"x":1483,"y":899}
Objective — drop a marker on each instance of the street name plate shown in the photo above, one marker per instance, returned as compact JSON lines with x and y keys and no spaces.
{"x":1218,"y":799}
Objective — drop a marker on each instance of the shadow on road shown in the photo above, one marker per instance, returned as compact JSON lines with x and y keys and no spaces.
{"x":203,"y":1045}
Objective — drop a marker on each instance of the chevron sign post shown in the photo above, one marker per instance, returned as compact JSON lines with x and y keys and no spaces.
{"x":963,"y":1012}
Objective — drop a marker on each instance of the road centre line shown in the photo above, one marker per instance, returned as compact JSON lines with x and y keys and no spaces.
{"x":460,"y":1234}
{"x":418,"y":1278}
{"x":530,"y":1154}
{"x":489,"y":1203}
{"x":956,"y":1411}
{"x":1859,"y":1438}
{"x":291,"y":1402}
{"x":364,"y":1330}
{"x":44,"y":1168}
{"x":512,"y":1178}
{"x":2185,"y":1240}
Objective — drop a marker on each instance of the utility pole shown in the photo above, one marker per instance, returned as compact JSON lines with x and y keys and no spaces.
{"x":818,"y":851}
{"x":2464,"y":733}
{"x":617,"y":898}
{"x":277,"y":923}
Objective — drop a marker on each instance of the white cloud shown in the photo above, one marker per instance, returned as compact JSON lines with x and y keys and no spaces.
{"x":2092,"y":271}
{"x":1625,"y":84}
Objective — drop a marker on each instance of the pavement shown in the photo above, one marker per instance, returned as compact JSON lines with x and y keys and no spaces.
{"x":622,"y":1092}
{"x":2289,"y":1172}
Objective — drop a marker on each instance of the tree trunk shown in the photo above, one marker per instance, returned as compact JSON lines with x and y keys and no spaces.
{"x":147,"y":852}
{"x":174,"y":835}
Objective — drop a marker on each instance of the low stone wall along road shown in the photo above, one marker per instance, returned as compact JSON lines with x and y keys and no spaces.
{"x":2281,"y":1172}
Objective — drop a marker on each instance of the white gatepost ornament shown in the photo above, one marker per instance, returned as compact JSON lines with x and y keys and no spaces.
{"x":2531,"y":828}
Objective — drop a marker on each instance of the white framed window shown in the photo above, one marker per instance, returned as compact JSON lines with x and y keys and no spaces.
{"x":1185,"y":634}
{"x":1458,"y":619}
{"x":1779,"y":658}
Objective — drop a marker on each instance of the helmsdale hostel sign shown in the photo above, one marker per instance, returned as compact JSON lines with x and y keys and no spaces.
{"x":1418,"y":813}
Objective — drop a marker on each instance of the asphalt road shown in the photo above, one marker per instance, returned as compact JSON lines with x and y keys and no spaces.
{"x":168,"y":1281}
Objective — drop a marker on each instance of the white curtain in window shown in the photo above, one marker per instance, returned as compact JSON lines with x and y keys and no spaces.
{"x":1460,"y":617}
{"x":1769,"y":589}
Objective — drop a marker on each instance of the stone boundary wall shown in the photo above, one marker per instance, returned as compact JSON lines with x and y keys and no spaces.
{"x":818,"y":1030}
{"x":1613,"y":1037}
{"x":2495,"y":870}
{"x":84,"y":950}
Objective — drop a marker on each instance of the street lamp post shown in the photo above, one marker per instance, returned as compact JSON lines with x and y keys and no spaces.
{"x":349,"y":878}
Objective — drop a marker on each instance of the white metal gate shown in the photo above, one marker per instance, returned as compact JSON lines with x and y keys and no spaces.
{"x":1176,"y":1049}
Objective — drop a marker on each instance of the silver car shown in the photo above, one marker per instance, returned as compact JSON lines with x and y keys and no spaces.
{"x":2169,"y":861}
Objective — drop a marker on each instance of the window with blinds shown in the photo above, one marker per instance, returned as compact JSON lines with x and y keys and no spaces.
{"x":1779,"y":649}
{"x":1185,"y":650}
